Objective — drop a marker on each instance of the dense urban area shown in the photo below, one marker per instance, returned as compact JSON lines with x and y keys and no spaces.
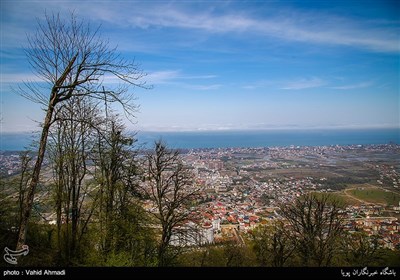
{"x":241,"y":189}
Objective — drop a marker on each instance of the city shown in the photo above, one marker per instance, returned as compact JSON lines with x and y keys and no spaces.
{"x":241,"y":188}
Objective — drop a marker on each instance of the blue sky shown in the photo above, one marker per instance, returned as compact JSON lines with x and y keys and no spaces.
{"x":232,"y":64}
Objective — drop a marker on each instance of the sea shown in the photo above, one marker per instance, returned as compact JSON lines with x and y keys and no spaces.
{"x":243,"y":138}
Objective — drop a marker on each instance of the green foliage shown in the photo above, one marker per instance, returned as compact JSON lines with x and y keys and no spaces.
{"x":274,"y":245}
{"x":213,"y":257}
{"x":133,"y":244}
{"x":237,"y":255}
{"x":118,"y":259}
{"x":223,"y":255}
{"x":41,"y":247}
{"x":8,"y":219}
{"x":389,"y":257}
{"x":359,"y":249}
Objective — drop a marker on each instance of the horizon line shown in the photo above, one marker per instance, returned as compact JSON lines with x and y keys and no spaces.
{"x":232,"y":129}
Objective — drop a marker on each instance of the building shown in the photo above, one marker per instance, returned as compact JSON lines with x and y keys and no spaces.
{"x":216,"y":223}
{"x":207,"y":233}
{"x":191,"y":234}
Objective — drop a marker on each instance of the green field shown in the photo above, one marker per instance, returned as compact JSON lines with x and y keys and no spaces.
{"x":341,"y":198}
{"x":375,"y":195}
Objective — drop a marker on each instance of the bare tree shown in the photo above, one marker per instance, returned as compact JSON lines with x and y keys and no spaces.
{"x":317,"y":222}
{"x":73,"y":60}
{"x":170,"y":187}
{"x":70,"y":144}
{"x":273,"y":244}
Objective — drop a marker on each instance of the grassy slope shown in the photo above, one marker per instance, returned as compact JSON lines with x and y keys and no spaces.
{"x":376,"y":195}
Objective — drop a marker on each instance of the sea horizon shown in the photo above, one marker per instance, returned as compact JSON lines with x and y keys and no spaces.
{"x":235,"y":138}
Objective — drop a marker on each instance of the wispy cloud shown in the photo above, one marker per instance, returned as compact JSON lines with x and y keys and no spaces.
{"x":199,"y":77}
{"x":354,"y":86}
{"x":175,"y":77}
{"x":204,"y":87}
{"x":179,"y":79}
{"x":285,"y":24}
{"x":250,"y":86}
{"x":260,"y":84}
{"x":19,"y":78}
{"x":304,"y":83}
{"x":162,"y":77}
{"x":309,"y":27}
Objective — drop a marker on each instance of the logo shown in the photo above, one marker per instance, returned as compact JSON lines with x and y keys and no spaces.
{"x":10,"y":255}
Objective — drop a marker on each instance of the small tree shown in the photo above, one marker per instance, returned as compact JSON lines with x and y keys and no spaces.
{"x":317,"y":222}
{"x":25,"y":158}
{"x":170,"y":187}
{"x":359,"y":249}
{"x":236,"y":255}
{"x":70,"y":145}
{"x":273,"y":244}
{"x":115,"y":174}
{"x":72,"y":60}
{"x":8,"y":210}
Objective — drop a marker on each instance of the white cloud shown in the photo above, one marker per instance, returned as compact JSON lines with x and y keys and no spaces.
{"x":19,"y":78}
{"x":162,"y":77}
{"x":177,"y":78}
{"x":205,"y":87}
{"x":314,"y":28}
{"x":260,"y":84}
{"x":200,"y":77}
{"x":288,"y":25}
{"x":304,"y":84}
{"x":354,"y":86}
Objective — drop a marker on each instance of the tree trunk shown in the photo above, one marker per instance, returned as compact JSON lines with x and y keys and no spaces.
{"x":30,"y":192}
{"x":21,"y":190}
{"x":59,"y":202}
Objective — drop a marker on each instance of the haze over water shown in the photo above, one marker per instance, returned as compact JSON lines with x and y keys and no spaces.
{"x":260,"y":138}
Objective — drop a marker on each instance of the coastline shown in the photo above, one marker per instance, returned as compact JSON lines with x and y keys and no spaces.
{"x":14,"y":141}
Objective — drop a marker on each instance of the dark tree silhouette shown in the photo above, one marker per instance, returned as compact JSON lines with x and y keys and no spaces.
{"x":317,"y":222}
{"x":73,"y":60}
{"x":170,"y":186}
{"x":273,"y":244}
{"x":71,"y":140}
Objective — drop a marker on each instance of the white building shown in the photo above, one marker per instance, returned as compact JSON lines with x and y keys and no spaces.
{"x":216,"y":223}
{"x":207,"y":233}
{"x":191,"y":234}
{"x":185,"y":235}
